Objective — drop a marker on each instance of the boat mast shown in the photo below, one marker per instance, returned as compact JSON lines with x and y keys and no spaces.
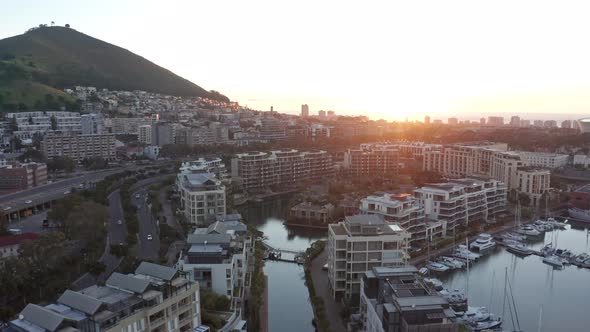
{"x":540,"y":318}
{"x":467,"y":277}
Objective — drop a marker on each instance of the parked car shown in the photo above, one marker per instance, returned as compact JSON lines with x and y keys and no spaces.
{"x":28,"y":201}
{"x":149,"y":237}
{"x":119,"y":222}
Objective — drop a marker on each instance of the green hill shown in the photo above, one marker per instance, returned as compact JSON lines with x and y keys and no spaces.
{"x":58,"y":57}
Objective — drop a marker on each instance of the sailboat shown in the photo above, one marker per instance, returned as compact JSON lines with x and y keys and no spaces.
{"x":527,"y":230}
{"x":550,"y":257}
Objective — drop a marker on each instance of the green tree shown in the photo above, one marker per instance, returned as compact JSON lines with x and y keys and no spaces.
{"x":53,"y":122}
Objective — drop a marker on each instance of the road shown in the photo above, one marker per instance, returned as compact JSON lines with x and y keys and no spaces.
{"x":321,"y":284}
{"x":148,"y":249}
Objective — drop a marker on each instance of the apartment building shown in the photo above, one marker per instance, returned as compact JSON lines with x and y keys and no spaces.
{"x":370,"y":160}
{"x":541,"y":159}
{"x":162,"y":133}
{"x":144,"y":134}
{"x":463,"y":201}
{"x":533,"y":182}
{"x":31,"y":123}
{"x":582,"y":160}
{"x":213,"y":133}
{"x":207,"y":165}
{"x":217,"y":256}
{"x":154,"y":298}
{"x":309,"y":212}
{"x":202,"y":197}
{"x":15,"y":176}
{"x":272,"y":130}
{"x":260,"y":170}
{"x":358,"y":244}
{"x":92,"y":124}
{"x":403,"y":209}
{"x":79,"y":147}
{"x":397,"y":299}
{"x":126,"y":126}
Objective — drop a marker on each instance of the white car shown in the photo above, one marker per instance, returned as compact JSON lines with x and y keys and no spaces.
{"x":119,"y":222}
{"x":28,"y":202}
{"x":66,"y":192}
{"x":7,"y":208}
{"x":149,"y":237}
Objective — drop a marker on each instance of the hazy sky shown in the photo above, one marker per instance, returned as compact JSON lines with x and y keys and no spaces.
{"x":384,"y":59}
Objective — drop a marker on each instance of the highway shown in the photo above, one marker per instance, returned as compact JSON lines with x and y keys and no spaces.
{"x":148,"y":249}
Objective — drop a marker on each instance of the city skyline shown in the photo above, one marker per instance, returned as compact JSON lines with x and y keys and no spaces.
{"x":394,"y":62}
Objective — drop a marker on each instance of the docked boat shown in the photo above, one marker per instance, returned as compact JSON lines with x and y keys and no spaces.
{"x":436,"y":284}
{"x":456,"y":298}
{"x":487,"y":325}
{"x":542,"y":226}
{"x":436,"y":267}
{"x":513,"y":236}
{"x":555,"y":223}
{"x":473,"y":315}
{"x":579,"y":214}
{"x":484,"y":243}
{"x":518,"y":248}
{"x":528,"y":230}
{"x":464,"y":253}
{"x":553,"y":260}
{"x":452,"y":262}
{"x":581,"y":258}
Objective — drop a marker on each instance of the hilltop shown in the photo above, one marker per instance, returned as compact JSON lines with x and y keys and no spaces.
{"x":47,"y":59}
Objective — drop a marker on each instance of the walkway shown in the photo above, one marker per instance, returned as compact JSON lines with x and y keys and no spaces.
{"x":322,"y":289}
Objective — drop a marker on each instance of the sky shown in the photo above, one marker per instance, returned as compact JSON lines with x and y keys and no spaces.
{"x":394,"y":60}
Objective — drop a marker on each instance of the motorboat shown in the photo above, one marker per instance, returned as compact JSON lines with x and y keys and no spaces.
{"x":436,"y":267}
{"x":484,"y":243}
{"x":513,"y":236}
{"x":579,"y":214}
{"x":463,"y":252}
{"x":581,"y":258}
{"x":542,"y":226}
{"x":449,"y":261}
{"x":556,"y":223}
{"x":487,"y":325}
{"x":518,"y":248}
{"x":436,"y":284}
{"x":553,"y":260}
{"x":528,"y":230}
{"x":423,"y":271}
{"x":548,"y":249}
{"x":456,"y":298}
{"x":474,"y":315}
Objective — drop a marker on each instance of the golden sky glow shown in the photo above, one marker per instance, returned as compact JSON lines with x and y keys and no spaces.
{"x":384,"y":59}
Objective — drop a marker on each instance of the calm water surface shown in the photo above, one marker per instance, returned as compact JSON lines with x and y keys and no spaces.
{"x":563,"y":294}
{"x":289,"y":306}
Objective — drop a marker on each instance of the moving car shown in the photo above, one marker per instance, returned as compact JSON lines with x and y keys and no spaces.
{"x":119,"y":222}
{"x":28,"y":201}
{"x":149,"y":237}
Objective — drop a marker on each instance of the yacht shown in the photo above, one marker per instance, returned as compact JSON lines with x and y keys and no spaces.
{"x":518,"y":248}
{"x":483,"y":243}
{"x":542,"y":226}
{"x":437,"y":284}
{"x":463,"y":252}
{"x":452,"y":262}
{"x":473,"y":315}
{"x":487,"y":325}
{"x":555,"y":223}
{"x":580,"y":259}
{"x":528,"y":230}
{"x":579,"y":214}
{"x":513,"y":236}
{"x":554,"y":261}
{"x":436,"y":267}
{"x":456,"y":298}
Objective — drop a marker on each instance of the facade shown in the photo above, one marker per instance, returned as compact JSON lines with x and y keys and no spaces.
{"x":580,"y":197}
{"x":540,"y":159}
{"x":534,"y":182}
{"x":495,"y":121}
{"x":584,"y":125}
{"x":79,"y":147}
{"x":202,"y":196}
{"x":370,"y":160}
{"x":214,"y":133}
{"x":358,"y":244}
{"x":127,"y":126}
{"x":206,"y":165}
{"x":15,"y":176}
{"x":260,"y":170}
{"x":304,"y":111}
{"x":144,"y":134}
{"x":31,"y":123}
{"x":306,"y":211}
{"x":397,"y":299}
{"x":463,"y":201}
{"x":92,"y":124}
{"x":217,"y":256}
{"x":154,"y":298}
{"x":582,"y":160}
{"x":272,"y":130}
{"x":162,"y":133}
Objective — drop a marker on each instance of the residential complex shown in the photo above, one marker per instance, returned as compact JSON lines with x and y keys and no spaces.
{"x":126,"y":126}
{"x":260,"y":170}
{"x":206,"y":165}
{"x":154,"y":298}
{"x":92,"y":124}
{"x":144,"y":134}
{"x":397,"y":299}
{"x":162,"y":133}
{"x":212,"y":133}
{"x":15,"y":176}
{"x":31,"y":123}
{"x":79,"y":147}
{"x":309,"y":212}
{"x":582,"y":160}
{"x":202,"y":197}
{"x":371,"y":160}
{"x":463,"y":201}
{"x":540,"y":159}
{"x":358,"y":244}
{"x":533,"y":182}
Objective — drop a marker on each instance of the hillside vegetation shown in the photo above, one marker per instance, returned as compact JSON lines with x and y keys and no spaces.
{"x":48,"y":59}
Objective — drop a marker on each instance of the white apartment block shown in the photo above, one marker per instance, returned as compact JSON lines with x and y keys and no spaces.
{"x":79,"y":147}
{"x":144,"y":134}
{"x":154,"y":298}
{"x":463,"y":201}
{"x":372,"y":159}
{"x":206,"y":165}
{"x":30,"y":123}
{"x":534,"y":182}
{"x":582,"y":160}
{"x":127,"y":126}
{"x":92,"y":124}
{"x":260,"y":170}
{"x":358,"y":244}
{"x":408,"y":149}
{"x":403,"y":209}
{"x":541,"y":159}
{"x":202,"y":196}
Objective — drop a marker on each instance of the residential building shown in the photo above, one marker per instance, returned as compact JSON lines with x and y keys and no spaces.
{"x":495,"y":121}
{"x":162,"y":133}
{"x":406,"y":149}
{"x":272,"y":129}
{"x":550,"y":124}
{"x":533,"y":182}
{"x":538,"y":123}
{"x":453,"y":121}
{"x":304,"y":111}
{"x":405,"y":210}
{"x":202,"y":196}
{"x":541,"y":159}
{"x":213,"y":133}
{"x":9,"y":244}
{"x":580,"y":197}
{"x":582,"y":160}
{"x":145,"y":134}
{"x":260,"y":170}
{"x":15,"y":176}
{"x":584,"y":125}
{"x":92,"y":124}
{"x":79,"y":147}
{"x":154,"y":298}
{"x":482,"y":121}
{"x":463,"y":201}
{"x":309,"y":212}
{"x":217,"y":256}
{"x":398,"y":299}
{"x":370,"y":160}
{"x":322,"y":114}
{"x":31,"y":123}
{"x":319,"y":131}
{"x":566,"y":124}
{"x":358,"y":244}
{"x":515,"y":121}
{"x":206,"y":165}
{"x":427,"y":120}
{"x":127,"y":126}
{"x":152,"y":152}
{"x":525,"y":123}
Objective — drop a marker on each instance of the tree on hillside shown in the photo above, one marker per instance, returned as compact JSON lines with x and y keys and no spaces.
{"x":61,"y":163}
{"x":53,"y":122}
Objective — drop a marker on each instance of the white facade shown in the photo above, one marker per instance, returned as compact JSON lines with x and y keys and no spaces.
{"x":30,"y":123}
{"x":358,"y":244}
{"x":152,"y":152}
{"x":540,"y":159}
{"x":206,"y":165}
{"x":201,"y":196}
{"x":145,"y":134}
{"x":584,"y":125}
{"x":582,"y":159}
{"x":534,"y":182}
{"x":92,"y":124}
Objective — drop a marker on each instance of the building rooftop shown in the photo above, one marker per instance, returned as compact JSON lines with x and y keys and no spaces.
{"x":209,"y":238}
{"x":156,"y":271}
{"x":80,"y":302}
{"x":10,"y":240}
{"x":127,"y":282}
